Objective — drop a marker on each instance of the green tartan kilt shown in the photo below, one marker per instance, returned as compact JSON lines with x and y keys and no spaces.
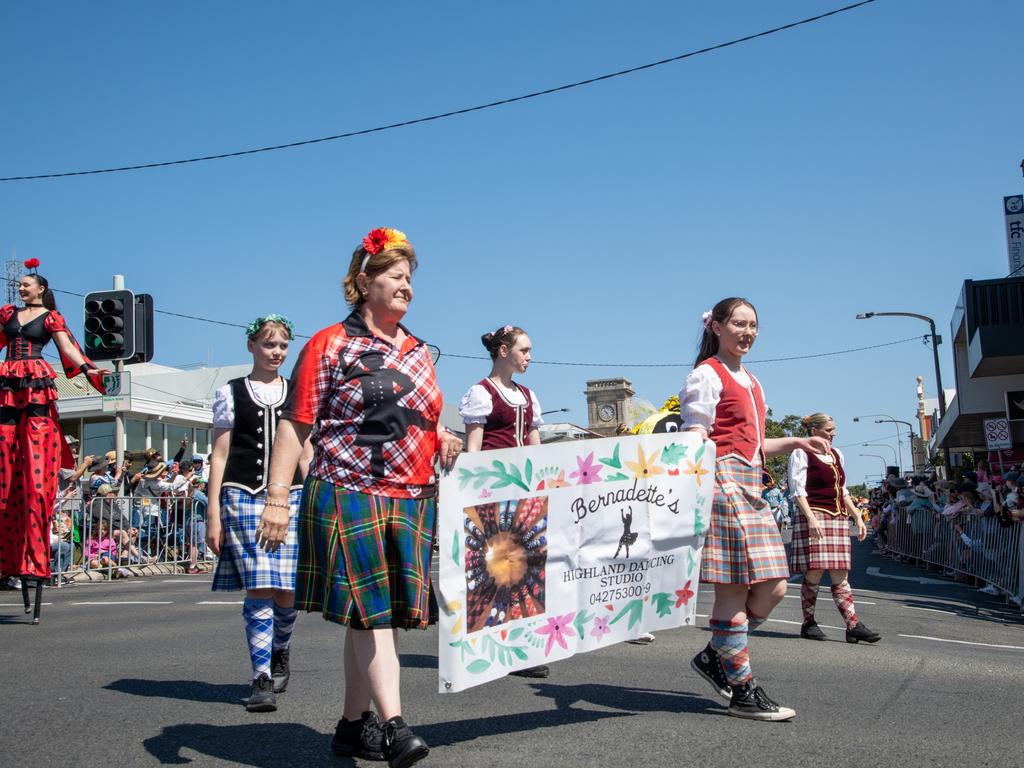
{"x":364,"y":560}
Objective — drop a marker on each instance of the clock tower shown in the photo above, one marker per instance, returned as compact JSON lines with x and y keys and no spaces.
{"x":607,"y":403}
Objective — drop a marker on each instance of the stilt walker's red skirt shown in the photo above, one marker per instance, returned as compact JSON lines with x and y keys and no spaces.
{"x":32,"y":446}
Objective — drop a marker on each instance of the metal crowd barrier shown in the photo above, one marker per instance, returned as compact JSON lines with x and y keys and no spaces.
{"x":973,"y":545}
{"x":117,"y":537}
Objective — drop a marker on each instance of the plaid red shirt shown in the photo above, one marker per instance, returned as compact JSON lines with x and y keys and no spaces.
{"x":374,"y":410}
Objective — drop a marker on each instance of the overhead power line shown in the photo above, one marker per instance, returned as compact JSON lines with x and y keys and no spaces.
{"x":452,"y":113}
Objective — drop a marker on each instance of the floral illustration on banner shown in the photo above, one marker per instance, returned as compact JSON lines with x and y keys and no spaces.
{"x":586,"y":471}
{"x":600,"y":628}
{"x":684,"y":595}
{"x":644,"y":467}
{"x":557,"y":629}
{"x":696,"y":468}
{"x":506,"y":558}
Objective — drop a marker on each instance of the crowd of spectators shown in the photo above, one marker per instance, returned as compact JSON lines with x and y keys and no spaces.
{"x":110,"y":516}
{"x":970,"y":526}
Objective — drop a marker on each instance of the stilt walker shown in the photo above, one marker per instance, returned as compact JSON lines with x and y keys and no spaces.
{"x":32,"y":446}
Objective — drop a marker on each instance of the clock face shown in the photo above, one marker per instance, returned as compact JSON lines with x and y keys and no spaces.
{"x":606,"y":412}
{"x":1014,"y":204}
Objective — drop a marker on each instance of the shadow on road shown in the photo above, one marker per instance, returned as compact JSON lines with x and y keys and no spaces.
{"x":263,"y":745}
{"x":186,"y":690}
{"x":418,"y":661}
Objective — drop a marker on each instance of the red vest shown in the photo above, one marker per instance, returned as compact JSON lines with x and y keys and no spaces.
{"x":507,"y":425}
{"x":739,"y":417}
{"x":825,"y":483}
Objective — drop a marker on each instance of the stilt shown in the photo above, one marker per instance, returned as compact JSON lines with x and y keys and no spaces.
{"x":39,"y":600}
{"x":24,"y":594}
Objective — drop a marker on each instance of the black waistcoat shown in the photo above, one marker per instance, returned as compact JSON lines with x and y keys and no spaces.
{"x":248,"y":464}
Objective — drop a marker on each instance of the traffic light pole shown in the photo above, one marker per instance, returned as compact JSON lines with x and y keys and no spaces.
{"x":118,"y":416}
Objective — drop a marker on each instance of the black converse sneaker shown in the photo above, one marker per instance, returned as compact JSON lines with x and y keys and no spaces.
{"x":709,"y":666}
{"x":402,"y":747}
{"x":279,"y":669}
{"x":751,"y":702}
{"x":262,"y":698}
{"x":359,"y":738}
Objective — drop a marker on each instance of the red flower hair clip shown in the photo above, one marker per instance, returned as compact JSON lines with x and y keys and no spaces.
{"x":381,"y":239}
{"x":31,"y":264}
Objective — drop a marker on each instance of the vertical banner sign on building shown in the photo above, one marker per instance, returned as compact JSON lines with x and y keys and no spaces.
{"x":552,"y":550}
{"x":1013,"y":207}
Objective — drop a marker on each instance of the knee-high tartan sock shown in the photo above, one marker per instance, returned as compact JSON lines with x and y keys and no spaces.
{"x":843,"y":596}
{"x":808,"y":598}
{"x":259,"y":632}
{"x":729,"y":640}
{"x":284,"y":623}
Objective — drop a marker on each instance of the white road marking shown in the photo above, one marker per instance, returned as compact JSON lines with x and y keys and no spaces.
{"x":858,"y":602}
{"x":800,"y":623}
{"x":18,"y":605}
{"x":125,"y":602}
{"x":876,"y":571}
{"x":220,"y":602}
{"x":965,"y":642}
{"x":931,"y":610}
{"x":181,"y":579}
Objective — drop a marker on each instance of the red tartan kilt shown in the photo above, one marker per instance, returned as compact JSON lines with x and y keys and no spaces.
{"x":831,"y":553}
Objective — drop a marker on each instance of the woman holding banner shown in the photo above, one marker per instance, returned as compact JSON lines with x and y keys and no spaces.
{"x":366,"y":389}
{"x":743,"y":554}
{"x":500,"y":413}
{"x":821,"y":531}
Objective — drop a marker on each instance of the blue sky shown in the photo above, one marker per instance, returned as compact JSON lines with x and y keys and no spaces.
{"x":854,"y":164}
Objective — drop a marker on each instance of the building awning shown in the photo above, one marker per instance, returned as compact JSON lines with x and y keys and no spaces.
{"x":963,"y":431}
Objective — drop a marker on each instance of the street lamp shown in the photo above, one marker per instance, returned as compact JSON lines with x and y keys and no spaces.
{"x":897,"y":422}
{"x":881,"y":445}
{"x":936,"y":340}
{"x":556,"y":410}
{"x":879,"y":457}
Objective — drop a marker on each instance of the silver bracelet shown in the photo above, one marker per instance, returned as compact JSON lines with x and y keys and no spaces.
{"x":279,"y":485}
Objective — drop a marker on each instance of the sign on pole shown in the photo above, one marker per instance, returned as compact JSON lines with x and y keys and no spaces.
{"x":119,"y":392}
{"x":552,"y":550}
{"x":1015,"y":406}
{"x":1013,"y":207}
{"x":997,"y":434}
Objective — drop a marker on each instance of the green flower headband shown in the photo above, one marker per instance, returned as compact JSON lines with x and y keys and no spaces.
{"x":254,"y":327}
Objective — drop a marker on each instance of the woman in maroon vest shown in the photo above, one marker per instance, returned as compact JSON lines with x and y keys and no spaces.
{"x":821,"y":530}
{"x":499,"y":413}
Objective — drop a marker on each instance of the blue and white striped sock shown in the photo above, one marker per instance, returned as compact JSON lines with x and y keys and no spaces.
{"x":284,"y":623}
{"x":259,"y":632}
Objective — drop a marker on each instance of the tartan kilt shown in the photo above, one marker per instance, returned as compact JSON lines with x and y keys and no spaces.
{"x":831,"y":553}
{"x":364,"y":560}
{"x":743,"y":545}
{"x":244,"y":565}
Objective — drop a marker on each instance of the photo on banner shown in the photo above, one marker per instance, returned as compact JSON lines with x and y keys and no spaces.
{"x":552,"y":550}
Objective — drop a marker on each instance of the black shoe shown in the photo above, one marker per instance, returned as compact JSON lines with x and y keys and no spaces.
{"x":541,"y":671}
{"x":359,"y":738}
{"x":811,"y":631}
{"x":861,"y":633}
{"x":262,"y":698}
{"x":402,"y":747}
{"x":279,"y":669}
{"x":751,"y":702}
{"x":709,"y":666}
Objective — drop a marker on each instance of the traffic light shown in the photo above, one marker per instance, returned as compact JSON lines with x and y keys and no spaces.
{"x":110,"y":325}
{"x":143,"y":329}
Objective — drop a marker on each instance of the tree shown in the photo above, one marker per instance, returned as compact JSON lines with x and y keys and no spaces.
{"x":789,"y":426}
{"x":860,"y":490}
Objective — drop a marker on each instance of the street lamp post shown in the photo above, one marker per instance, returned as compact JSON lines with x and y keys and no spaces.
{"x":910,"y":438}
{"x":897,"y":422}
{"x":881,"y":445}
{"x":879,"y":457}
{"x":936,"y":340}
{"x":556,"y":410}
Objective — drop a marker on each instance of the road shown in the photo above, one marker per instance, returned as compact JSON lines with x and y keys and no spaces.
{"x":149,"y":672}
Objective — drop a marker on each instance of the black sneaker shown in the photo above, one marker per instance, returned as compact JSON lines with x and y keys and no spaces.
{"x":860,"y":633}
{"x":262,"y":698}
{"x":810,"y":630}
{"x":751,"y":702}
{"x":709,"y":666}
{"x":279,"y":669}
{"x":402,"y":747}
{"x":359,"y":738}
{"x":541,"y":671}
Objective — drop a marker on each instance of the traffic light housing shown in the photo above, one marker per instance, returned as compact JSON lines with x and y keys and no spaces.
{"x":119,"y":326}
{"x":110,"y":325}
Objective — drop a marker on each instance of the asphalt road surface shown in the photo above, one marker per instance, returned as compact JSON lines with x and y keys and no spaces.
{"x":151,"y":671}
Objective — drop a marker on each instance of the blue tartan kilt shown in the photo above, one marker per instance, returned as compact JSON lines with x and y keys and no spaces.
{"x":244,"y":565}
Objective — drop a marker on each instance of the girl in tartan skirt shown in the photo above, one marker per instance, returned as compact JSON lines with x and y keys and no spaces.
{"x":366,"y":394}
{"x":743,"y":554}
{"x":821,"y":531}
{"x":245,"y":416}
